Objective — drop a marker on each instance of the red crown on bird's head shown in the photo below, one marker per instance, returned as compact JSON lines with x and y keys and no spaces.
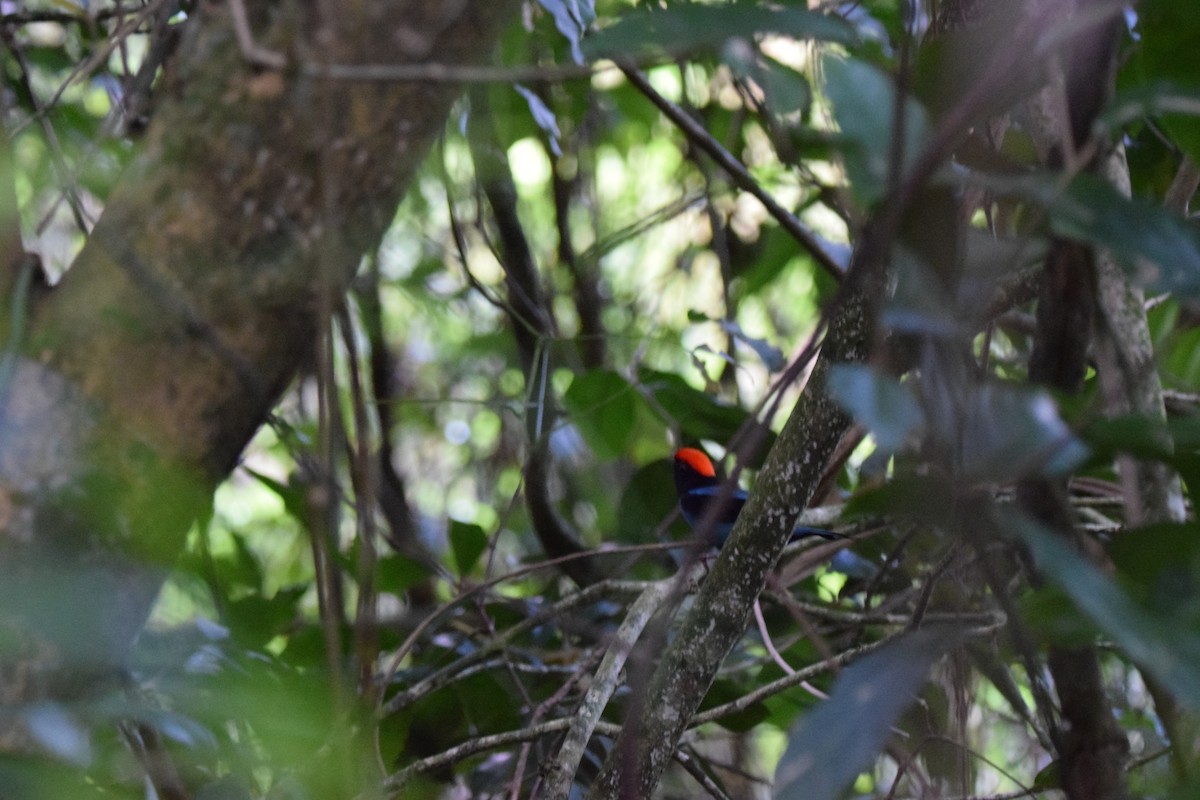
{"x":696,"y":460}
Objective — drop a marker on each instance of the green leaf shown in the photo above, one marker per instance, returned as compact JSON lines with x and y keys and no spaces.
{"x":1181,"y":360}
{"x":698,"y":415}
{"x":245,"y":570}
{"x":1148,"y":100}
{"x":1159,"y":564}
{"x":467,"y":543}
{"x":397,"y":573}
{"x":254,"y":620}
{"x":864,"y":100}
{"x":293,"y":496}
{"x":603,"y":406}
{"x":880,"y":402}
{"x":647,"y":500}
{"x":788,"y":93}
{"x":908,"y":494}
{"x":1167,"y":55}
{"x":920,"y":304}
{"x":681,"y":29}
{"x":1054,"y":620}
{"x":842,"y":738}
{"x":1159,"y":644}
{"x":1159,"y":249}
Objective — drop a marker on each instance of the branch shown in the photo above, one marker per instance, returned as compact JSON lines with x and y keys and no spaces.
{"x":717,"y":620}
{"x":561,"y":771}
{"x":699,"y":136}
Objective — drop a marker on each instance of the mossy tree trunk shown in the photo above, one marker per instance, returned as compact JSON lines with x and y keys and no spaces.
{"x":131,"y":388}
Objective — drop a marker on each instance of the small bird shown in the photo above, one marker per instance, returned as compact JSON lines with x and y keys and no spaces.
{"x":698,"y":487}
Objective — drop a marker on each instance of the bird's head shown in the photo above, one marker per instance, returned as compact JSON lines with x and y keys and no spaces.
{"x":693,"y":470}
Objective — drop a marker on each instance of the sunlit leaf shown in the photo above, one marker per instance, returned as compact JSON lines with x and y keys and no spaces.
{"x":864,"y":101}
{"x":684,"y":28}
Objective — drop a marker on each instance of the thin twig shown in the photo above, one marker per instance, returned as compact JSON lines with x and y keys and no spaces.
{"x":698,"y":135}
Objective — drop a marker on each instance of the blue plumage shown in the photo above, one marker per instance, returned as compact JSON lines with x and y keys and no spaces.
{"x":709,"y":504}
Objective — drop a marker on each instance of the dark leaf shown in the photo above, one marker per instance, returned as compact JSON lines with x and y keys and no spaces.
{"x":1158,"y":643}
{"x":1167,"y":56}
{"x":603,"y":406}
{"x":863,"y":100}
{"x":1010,"y":432}
{"x":467,"y":543}
{"x":843,"y":736}
{"x":881,"y":403}
{"x":1159,"y":249}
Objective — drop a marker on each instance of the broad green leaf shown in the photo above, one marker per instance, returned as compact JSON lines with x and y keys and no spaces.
{"x":254,"y":620}
{"x":880,"y":402}
{"x":1148,"y":100}
{"x":603,"y":406}
{"x":843,"y":736}
{"x":467,"y":543}
{"x":1181,"y":359}
{"x":1159,"y":249}
{"x":397,"y":573}
{"x":919,"y":497}
{"x":647,"y":500}
{"x":864,"y":101}
{"x":788,"y":93}
{"x":1167,"y":53}
{"x":1159,"y":644}
{"x":698,"y":415}
{"x":292,"y":495}
{"x":1158,"y":564}
{"x":681,"y":29}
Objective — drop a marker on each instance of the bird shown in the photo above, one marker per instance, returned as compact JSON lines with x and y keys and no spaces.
{"x":698,"y":487}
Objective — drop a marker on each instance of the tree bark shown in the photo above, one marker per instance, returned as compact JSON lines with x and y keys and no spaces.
{"x":227,"y":244}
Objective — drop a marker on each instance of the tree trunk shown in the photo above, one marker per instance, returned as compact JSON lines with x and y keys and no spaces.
{"x":129,"y":390}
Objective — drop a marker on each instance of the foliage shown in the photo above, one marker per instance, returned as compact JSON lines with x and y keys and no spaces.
{"x":374,"y":606}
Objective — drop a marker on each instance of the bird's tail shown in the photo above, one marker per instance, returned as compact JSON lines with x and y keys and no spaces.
{"x":806,"y":533}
